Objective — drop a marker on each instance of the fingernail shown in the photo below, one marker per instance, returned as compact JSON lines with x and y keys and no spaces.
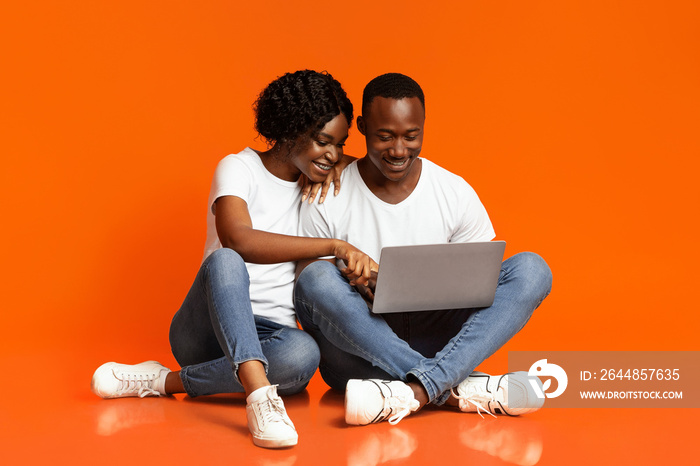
{"x":320,"y":201}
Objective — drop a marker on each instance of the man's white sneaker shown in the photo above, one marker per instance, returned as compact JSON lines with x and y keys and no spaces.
{"x":268,"y":420}
{"x":112,"y":380}
{"x":509,"y":394}
{"x":372,"y":400}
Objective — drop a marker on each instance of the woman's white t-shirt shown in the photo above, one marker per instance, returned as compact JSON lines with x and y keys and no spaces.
{"x":273,"y":205}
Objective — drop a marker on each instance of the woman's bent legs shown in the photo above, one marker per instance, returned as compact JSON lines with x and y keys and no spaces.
{"x":215,"y":331}
{"x":293,"y":359}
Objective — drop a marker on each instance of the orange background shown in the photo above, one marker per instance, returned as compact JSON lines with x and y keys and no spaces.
{"x":576,"y":122}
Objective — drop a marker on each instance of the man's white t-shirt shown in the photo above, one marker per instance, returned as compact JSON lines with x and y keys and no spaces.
{"x":273,"y":205}
{"x":442,"y":208}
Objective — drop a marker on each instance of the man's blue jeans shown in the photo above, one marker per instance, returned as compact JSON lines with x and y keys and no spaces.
{"x":215,"y":331}
{"x":438,"y":348}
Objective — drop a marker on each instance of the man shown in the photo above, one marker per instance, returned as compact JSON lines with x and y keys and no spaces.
{"x":394,"y":364}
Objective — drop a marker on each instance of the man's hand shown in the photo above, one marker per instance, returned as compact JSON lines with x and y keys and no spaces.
{"x":367,"y":291}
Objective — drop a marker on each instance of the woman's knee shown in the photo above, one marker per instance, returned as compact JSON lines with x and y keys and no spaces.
{"x":305,"y":353}
{"x":224,"y":257}
{"x":294,"y":367}
{"x":225,"y":262}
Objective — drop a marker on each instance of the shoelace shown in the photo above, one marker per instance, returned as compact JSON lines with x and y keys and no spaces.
{"x":473,"y":393}
{"x":137,"y":383}
{"x":402,"y":406}
{"x":272,"y":409}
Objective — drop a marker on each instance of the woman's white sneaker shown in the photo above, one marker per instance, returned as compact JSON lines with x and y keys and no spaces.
{"x":268,"y":421}
{"x":113,"y":380}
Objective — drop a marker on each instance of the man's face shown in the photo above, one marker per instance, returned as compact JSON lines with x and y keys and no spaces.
{"x":393,"y":131}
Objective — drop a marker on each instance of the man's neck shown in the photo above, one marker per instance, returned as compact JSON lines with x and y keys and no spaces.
{"x":389,"y":191}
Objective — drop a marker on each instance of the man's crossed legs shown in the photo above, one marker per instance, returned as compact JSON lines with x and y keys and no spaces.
{"x":430,"y":354}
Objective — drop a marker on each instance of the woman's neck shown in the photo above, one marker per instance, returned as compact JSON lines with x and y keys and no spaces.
{"x":277,"y":161}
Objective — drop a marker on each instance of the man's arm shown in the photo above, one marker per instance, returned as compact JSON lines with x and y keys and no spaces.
{"x":474,"y":224}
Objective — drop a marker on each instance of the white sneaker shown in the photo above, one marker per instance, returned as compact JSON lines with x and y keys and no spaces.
{"x":509,"y":394}
{"x":268,"y":420}
{"x":372,"y":400}
{"x":112,"y":380}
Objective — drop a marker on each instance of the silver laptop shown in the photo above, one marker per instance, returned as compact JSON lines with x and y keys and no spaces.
{"x":438,"y":276}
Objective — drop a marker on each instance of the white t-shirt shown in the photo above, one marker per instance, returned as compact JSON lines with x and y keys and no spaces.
{"x":273,"y":205}
{"x":442,"y":208}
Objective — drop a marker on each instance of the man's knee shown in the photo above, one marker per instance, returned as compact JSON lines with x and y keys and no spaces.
{"x":535,"y":274}
{"x":315,"y":278}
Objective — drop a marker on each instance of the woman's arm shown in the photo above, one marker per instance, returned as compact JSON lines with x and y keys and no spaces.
{"x":235,"y":231}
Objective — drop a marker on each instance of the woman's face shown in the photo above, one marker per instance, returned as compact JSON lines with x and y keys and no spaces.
{"x":316,"y":158}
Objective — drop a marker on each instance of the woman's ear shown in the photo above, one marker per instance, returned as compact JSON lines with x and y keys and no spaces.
{"x":361,"y":125}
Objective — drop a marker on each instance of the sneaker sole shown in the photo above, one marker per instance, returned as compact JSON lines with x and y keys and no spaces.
{"x":275,"y":443}
{"x":351,"y":405}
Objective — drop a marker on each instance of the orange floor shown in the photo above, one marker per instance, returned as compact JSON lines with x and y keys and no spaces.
{"x":66,"y":424}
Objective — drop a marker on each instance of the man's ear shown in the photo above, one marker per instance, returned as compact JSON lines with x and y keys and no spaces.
{"x":361,"y":125}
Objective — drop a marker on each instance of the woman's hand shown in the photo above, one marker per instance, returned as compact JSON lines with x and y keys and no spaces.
{"x":309,"y":189}
{"x":359,"y":266}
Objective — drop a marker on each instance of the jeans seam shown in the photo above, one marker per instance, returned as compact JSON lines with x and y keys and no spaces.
{"x":272,"y":336}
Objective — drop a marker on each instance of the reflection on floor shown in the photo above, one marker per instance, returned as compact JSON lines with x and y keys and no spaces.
{"x":513,"y":441}
{"x":113,"y":418}
{"x":69,"y":424}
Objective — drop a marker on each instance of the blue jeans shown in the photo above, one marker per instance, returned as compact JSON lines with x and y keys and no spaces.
{"x":215,"y":331}
{"x":437,"y":348}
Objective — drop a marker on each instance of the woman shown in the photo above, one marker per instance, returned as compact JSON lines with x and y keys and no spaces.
{"x":236,"y":330}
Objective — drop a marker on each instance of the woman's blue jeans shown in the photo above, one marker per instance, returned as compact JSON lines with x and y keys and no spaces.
{"x":215,"y":331}
{"x":438,"y":348}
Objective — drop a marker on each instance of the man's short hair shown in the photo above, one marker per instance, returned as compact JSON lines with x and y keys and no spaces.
{"x":391,"y":86}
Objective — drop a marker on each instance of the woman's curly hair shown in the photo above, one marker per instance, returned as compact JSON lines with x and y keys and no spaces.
{"x":299,"y":103}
